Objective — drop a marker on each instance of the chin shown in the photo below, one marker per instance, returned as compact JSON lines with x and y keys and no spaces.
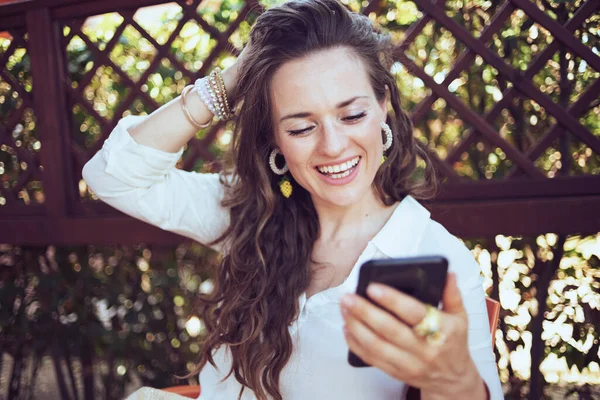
{"x":343,"y":198}
{"x":340,"y":196}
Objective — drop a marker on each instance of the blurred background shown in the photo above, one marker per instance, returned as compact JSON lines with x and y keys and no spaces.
{"x":505,"y":93}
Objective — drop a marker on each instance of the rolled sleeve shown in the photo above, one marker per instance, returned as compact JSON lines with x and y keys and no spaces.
{"x":135,"y":164}
{"x":144,"y":183}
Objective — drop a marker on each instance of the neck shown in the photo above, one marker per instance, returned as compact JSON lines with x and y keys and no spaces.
{"x":366,"y":216}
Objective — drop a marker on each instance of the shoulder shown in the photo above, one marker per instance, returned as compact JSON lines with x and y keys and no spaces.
{"x":437,"y":236}
{"x":438,"y":240}
{"x":152,"y":393}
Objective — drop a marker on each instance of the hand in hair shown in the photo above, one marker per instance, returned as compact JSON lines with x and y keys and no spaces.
{"x":384,"y":338}
{"x":231,"y":74}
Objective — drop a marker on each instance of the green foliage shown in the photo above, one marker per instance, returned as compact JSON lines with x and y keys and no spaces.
{"x":23,"y":132}
{"x":124,"y":310}
{"x":570,"y":309}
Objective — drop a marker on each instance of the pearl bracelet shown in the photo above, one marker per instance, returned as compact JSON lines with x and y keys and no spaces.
{"x":202,"y":88}
{"x":213,"y":93}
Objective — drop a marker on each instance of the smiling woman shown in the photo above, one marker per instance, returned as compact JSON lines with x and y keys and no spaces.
{"x":323,"y":156}
{"x":329,"y":135}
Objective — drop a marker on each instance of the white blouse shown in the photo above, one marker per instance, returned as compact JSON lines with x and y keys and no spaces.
{"x":143,"y":182}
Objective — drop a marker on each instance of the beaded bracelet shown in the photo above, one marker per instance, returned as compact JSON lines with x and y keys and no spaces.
{"x":221,"y":83}
{"x":210,"y":97}
{"x":213,"y":93}
{"x":218,"y":92}
{"x":201,"y":86}
{"x":215,"y":96}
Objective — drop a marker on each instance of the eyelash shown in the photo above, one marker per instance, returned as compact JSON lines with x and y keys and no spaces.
{"x":352,"y":118}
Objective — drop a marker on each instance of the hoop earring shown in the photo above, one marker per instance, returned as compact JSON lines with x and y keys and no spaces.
{"x":274,"y":168}
{"x":389,"y":138}
{"x":285,"y":186}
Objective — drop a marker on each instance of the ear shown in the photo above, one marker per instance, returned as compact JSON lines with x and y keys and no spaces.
{"x":383,"y":104}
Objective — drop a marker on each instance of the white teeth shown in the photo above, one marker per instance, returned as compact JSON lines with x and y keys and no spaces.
{"x":342,"y":175}
{"x":329,"y":169}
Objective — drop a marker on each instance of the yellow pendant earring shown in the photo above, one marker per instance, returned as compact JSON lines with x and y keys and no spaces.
{"x":285,"y":186}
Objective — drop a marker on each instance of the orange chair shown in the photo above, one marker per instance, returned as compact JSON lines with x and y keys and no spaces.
{"x":185,"y":390}
{"x":493,"y":310}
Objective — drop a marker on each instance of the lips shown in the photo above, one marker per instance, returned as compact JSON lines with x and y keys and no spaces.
{"x":339,"y":170}
{"x":348,"y":170}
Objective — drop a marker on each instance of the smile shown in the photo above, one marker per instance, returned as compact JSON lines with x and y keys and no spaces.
{"x":339,"y":171}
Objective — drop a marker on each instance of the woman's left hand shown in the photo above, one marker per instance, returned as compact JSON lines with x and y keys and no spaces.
{"x":383,"y":337}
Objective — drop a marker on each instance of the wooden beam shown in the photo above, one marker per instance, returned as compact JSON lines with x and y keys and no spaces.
{"x":569,"y":215}
{"x":520,"y":188}
{"x":79,"y":9}
{"x":72,"y":8}
{"x":35,"y":231}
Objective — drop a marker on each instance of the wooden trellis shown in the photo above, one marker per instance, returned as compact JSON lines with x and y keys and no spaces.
{"x":525,"y":202}
{"x":41,"y":202}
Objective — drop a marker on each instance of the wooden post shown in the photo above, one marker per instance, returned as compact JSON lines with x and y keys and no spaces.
{"x":52,"y":123}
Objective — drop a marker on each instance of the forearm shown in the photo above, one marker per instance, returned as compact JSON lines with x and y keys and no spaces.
{"x":168,"y":129}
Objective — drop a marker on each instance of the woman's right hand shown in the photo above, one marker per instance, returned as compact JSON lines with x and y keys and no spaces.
{"x":230,"y":75}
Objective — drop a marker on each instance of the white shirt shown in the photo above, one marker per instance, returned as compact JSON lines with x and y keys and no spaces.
{"x":143,"y":182}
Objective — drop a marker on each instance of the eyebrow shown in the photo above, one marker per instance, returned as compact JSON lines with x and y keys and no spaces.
{"x":339,"y":105}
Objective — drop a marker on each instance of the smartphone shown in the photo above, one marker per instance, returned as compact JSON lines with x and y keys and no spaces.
{"x":423,"y":278}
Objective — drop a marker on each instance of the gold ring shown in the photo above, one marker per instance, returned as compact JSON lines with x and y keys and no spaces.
{"x":429,"y":327}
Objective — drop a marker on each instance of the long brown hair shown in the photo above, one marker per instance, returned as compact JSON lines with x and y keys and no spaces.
{"x":270,"y":239}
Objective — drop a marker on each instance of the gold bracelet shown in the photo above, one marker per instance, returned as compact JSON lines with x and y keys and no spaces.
{"x":189,"y":117}
{"x":221,"y":83}
{"x":215,"y":92}
{"x":219,"y":93}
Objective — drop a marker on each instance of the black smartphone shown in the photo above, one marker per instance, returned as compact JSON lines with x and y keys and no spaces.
{"x":423,"y":278}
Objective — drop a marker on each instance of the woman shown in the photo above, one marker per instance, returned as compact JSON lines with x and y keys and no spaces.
{"x":320,"y":183}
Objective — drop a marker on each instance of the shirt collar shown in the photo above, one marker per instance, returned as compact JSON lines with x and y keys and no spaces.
{"x":402,"y":233}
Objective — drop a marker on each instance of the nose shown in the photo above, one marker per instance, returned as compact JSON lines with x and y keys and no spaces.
{"x":333,"y":140}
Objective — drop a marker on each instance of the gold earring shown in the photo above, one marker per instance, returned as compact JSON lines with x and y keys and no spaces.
{"x":383,"y":158}
{"x":285,"y":187}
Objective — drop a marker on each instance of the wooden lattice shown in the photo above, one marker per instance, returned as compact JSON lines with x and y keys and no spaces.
{"x":522,"y":85}
{"x":20,"y":188}
{"x":72,"y":127}
{"x":199,"y":148}
{"x":53,"y":100}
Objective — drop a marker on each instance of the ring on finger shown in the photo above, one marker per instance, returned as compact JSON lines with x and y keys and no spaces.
{"x":429,"y":326}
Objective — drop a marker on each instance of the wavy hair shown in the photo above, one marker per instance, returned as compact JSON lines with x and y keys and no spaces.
{"x":269,"y":242}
